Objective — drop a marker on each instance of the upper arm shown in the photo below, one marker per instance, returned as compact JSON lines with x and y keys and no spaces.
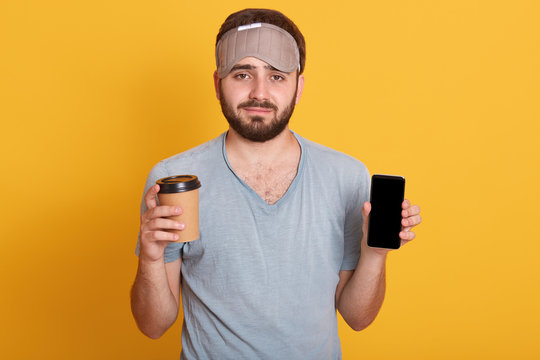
{"x":344,"y":277}
{"x":173,"y":277}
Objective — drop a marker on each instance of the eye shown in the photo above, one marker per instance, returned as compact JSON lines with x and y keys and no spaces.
{"x":241,"y":76}
{"x":277,"y":77}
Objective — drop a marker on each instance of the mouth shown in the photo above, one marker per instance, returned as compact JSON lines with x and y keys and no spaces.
{"x":257,"y":110}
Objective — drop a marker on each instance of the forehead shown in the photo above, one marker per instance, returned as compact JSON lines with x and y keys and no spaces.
{"x":254,"y":62}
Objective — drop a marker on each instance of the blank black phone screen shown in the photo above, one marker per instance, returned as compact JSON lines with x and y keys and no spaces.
{"x":387,"y":193}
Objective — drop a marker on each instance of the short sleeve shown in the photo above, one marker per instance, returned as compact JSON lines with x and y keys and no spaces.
{"x":173,"y":251}
{"x":353,"y":220}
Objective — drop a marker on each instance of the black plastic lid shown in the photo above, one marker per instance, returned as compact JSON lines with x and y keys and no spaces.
{"x":178,"y":183}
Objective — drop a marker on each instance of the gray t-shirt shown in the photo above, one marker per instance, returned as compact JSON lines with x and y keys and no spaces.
{"x":260,"y":282}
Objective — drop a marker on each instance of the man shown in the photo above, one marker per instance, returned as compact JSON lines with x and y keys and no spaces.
{"x":282,"y":219}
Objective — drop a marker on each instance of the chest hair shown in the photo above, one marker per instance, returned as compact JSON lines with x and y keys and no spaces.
{"x":270,"y":183}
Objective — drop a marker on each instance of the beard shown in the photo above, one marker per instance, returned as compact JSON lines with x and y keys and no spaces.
{"x":253,"y":128}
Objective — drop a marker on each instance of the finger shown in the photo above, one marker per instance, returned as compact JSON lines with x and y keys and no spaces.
{"x":150,"y":197}
{"x":163,"y":211}
{"x":162,"y":223}
{"x":407,"y":235}
{"x":159,"y":236}
{"x":366,"y":209}
{"x":411,"y":221}
{"x":413,"y":210}
{"x":405,"y":204}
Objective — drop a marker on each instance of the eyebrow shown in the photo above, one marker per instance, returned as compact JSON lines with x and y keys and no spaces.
{"x":251,"y":67}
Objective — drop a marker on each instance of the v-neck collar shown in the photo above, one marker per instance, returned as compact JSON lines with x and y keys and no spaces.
{"x":257,"y":199}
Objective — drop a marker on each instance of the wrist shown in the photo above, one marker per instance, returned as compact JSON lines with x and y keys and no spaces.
{"x":374,"y":255}
{"x":149,"y":261}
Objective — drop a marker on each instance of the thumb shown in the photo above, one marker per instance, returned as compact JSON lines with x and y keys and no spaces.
{"x":366,"y":209}
{"x":150,"y":197}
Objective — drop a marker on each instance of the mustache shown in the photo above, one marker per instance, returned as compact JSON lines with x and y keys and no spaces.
{"x":260,"y":104}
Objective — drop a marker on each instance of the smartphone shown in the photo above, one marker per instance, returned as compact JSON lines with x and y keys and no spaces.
{"x":384,"y":225}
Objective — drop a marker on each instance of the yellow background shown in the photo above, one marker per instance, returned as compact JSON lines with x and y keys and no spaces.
{"x":446,"y":93}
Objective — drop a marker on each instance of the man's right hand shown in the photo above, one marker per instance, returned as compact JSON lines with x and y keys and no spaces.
{"x":154,"y":223}
{"x":155,"y":295}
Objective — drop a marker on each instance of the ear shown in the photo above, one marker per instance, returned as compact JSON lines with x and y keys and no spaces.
{"x":299,"y":88}
{"x":216,"y":84}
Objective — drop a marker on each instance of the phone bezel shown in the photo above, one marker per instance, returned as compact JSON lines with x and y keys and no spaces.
{"x":376,"y":177}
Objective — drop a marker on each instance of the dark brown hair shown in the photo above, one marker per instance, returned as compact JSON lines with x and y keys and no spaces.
{"x":250,"y":16}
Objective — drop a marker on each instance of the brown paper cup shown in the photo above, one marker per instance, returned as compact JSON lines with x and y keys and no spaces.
{"x":182,"y":191}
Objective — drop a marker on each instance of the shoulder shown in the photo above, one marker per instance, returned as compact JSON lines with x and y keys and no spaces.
{"x":329,"y":159}
{"x":189,"y":161}
{"x":193,"y":156}
{"x":197,"y":153}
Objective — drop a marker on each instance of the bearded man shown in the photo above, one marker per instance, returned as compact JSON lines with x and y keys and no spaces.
{"x":282,"y":243}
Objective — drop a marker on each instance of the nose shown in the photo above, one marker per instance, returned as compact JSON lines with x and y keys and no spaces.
{"x":259,"y":90}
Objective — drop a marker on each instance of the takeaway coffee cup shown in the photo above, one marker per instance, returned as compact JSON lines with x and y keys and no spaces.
{"x":183,"y":191}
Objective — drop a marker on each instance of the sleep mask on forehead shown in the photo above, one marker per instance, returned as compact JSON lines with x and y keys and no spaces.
{"x":266,"y":42}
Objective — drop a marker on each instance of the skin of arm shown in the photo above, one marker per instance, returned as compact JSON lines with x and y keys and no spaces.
{"x":360,"y":292}
{"x":155,"y":297}
{"x":155,"y":294}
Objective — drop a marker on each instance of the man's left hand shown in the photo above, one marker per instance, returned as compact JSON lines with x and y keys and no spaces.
{"x":410,"y":217}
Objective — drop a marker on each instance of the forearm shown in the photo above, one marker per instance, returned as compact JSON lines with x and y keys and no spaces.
{"x":153,"y":304}
{"x":363,"y":295}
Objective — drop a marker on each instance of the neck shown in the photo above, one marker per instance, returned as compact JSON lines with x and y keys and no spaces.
{"x":282,"y":148}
